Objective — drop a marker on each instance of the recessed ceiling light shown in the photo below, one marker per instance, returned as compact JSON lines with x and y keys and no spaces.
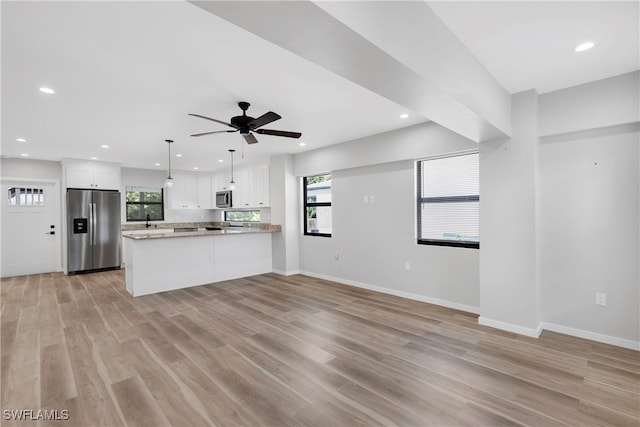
{"x":104,"y":146}
{"x":24,"y":155}
{"x":220,"y":160}
{"x":584,"y":46}
{"x":178,"y":155}
{"x":93,"y":158}
{"x":195,"y":168}
{"x":404,"y":115}
{"x":302,"y":144}
{"x":21,"y":140}
{"x":157,"y":164}
{"x":47,"y":90}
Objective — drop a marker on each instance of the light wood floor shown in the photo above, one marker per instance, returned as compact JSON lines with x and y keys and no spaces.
{"x":280,"y":351}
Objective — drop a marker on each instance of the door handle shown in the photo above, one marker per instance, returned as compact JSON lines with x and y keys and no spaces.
{"x":50,"y":232}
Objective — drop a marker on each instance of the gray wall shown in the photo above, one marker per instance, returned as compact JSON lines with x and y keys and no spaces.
{"x":555,"y":226}
{"x":375,"y":240}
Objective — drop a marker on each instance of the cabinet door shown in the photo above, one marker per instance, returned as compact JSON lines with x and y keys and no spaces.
{"x":79,"y":176}
{"x":184,"y":193}
{"x":204,"y":192}
{"x":191,"y":191}
{"x":244,"y":194}
{"x":106,"y":177}
{"x":261,"y":185}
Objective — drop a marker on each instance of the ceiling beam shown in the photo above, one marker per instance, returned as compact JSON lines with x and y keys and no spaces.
{"x":309,"y":31}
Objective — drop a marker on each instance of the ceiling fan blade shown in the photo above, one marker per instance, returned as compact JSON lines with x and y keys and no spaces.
{"x":279,"y":133}
{"x":249,"y":138}
{"x":263,"y":120}
{"x":217,"y":131}
{"x":213,"y":120}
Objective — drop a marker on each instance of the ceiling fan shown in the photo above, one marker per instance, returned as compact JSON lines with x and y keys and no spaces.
{"x":246,"y":125}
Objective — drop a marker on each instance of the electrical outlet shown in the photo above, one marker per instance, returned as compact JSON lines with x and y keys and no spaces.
{"x":601,"y":299}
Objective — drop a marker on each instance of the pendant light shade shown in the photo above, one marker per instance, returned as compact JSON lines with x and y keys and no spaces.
{"x":169,"y":181}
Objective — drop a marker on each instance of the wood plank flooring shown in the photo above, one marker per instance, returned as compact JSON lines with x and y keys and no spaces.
{"x":290,"y":351}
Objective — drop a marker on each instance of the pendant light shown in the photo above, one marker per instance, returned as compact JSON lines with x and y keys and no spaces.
{"x":169,"y":181}
{"x":232,"y":184}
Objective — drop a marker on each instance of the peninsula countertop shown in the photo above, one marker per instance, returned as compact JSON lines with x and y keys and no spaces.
{"x":201,"y":231}
{"x":162,"y":230}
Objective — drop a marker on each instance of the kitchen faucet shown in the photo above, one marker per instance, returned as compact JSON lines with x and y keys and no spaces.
{"x":148,"y":224}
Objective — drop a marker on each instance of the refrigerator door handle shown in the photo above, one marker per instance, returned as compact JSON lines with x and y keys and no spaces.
{"x":94,"y":220}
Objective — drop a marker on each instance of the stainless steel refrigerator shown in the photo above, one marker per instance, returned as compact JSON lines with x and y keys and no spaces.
{"x":93,"y":230}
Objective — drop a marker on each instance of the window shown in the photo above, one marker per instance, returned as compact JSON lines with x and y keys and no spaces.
{"x":449,"y":201}
{"x":21,"y":196}
{"x":144,"y":201}
{"x":242,"y":216}
{"x":317,"y":205}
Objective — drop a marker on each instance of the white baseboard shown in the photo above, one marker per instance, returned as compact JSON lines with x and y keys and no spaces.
{"x":593,"y":336}
{"x":285,"y":273}
{"x":408,"y":295}
{"x":510,"y":327}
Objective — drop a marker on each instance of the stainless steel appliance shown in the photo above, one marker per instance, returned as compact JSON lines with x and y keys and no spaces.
{"x":93,"y":230}
{"x":223,"y":199}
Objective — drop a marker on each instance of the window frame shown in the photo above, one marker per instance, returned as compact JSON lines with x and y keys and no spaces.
{"x":420,"y":201}
{"x":306,"y":204}
{"x":127,"y":203}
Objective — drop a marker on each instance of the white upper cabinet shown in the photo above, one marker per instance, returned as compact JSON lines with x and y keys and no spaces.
{"x":198,"y":191}
{"x":91,"y":175}
{"x":252,"y":187}
{"x":243,"y":195}
{"x":184,"y":193}
{"x":261,"y":185}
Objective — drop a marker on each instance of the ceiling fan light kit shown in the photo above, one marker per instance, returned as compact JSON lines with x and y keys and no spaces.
{"x":246,"y":125}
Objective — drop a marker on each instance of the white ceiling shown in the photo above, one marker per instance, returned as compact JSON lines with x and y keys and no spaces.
{"x":127,"y":73}
{"x":529,"y":44}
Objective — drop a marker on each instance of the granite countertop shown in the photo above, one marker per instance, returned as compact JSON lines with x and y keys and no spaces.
{"x":157,"y":232}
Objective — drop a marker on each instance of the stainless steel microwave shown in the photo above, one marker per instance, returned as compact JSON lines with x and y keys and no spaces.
{"x":223,"y":199}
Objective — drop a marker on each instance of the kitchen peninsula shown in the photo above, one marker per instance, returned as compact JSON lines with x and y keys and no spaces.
{"x":159,"y":260}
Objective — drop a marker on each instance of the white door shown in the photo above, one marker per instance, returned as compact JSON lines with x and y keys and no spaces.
{"x":30,"y":227}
